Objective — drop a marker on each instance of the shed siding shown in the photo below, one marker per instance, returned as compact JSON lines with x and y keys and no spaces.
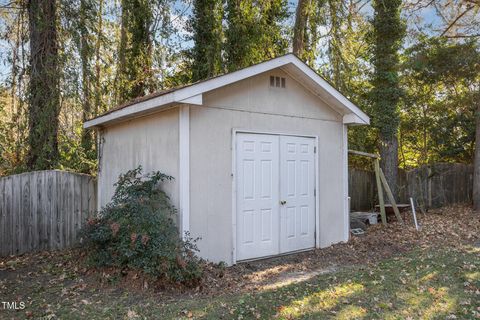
{"x":150,"y":141}
{"x":252,"y":105}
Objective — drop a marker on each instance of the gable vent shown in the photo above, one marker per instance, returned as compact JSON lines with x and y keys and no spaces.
{"x":277,"y":82}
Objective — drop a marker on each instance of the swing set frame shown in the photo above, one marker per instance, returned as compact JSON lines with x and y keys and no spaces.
{"x":381,"y":184}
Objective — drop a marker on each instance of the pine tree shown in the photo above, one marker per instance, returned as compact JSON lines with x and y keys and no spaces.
{"x":388,"y":32}
{"x":206,"y":26}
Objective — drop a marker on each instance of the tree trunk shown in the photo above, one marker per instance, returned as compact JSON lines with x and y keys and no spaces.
{"x":476,"y":164}
{"x":301,"y":18}
{"x":207,"y":36}
{"x":44,"y":97}
{"x":98,"y":89}
{"x":85,"y":56}
{"x":121,"y":65}
{"x":387,"y":36}
{"x":134,"y":72}
{"x":389,"y":162}
{"x":254,"y":32}
{"x":335,"y":44}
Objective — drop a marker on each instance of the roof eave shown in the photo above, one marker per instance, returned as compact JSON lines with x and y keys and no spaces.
{"x":353,"y":119}
{"x":142,"y":108}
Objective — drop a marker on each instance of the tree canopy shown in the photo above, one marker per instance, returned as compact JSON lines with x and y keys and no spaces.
{"x":65,"y":61}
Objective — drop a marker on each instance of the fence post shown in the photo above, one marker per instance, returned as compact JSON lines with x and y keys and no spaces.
{"x":380,"y":192}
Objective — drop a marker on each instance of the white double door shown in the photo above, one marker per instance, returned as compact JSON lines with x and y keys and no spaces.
{"x":275,"y":199}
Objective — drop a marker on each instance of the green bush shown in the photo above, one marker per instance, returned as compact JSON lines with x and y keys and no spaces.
{"x":136,"y":230}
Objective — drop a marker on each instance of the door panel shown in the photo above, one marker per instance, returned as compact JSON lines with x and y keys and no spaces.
{"x":257,"y":195}
{"x":270,"y":170}
{"x":297,"y":185}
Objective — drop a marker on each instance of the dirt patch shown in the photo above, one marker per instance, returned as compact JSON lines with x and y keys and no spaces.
{"x":452,"y":226}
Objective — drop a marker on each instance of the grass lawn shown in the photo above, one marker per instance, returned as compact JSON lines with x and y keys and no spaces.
{"x":438,"y":284}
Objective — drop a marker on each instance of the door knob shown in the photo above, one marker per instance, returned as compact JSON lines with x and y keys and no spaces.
{"x":283,"y":202}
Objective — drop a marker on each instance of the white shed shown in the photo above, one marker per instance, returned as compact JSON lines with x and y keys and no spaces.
{"x":259,"y":158}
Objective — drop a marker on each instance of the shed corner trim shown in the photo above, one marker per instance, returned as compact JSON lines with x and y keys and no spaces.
{"x":184,"y":168}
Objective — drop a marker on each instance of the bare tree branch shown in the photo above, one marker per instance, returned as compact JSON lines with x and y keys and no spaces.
{"x":464,"y":36}
{"x":456,"y":20}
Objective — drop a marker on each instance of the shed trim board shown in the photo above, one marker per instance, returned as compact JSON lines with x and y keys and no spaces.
{"x":184,"y":168}
{"x":346,"y":209}
{"x":192,"y":94}
{"x":235,"y":132}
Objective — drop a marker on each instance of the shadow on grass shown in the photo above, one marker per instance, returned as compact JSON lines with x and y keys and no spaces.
{"x":422,"y":284}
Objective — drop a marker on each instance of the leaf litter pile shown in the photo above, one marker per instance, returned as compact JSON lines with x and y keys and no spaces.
{"x":49,"y":282}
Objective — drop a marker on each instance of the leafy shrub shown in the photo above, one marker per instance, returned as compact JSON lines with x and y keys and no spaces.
{"x":136,"y":230}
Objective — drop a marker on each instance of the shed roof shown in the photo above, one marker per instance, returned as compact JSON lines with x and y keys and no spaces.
{"x":192,"y":93}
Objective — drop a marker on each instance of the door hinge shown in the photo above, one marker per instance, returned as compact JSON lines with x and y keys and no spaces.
{"x":314,"y":192}
{"x":314,"y":149}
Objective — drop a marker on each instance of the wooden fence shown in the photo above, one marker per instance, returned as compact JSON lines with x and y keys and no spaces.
{"x":440,"y":184}
{"x":431,"y":186}
{"x":43,"y":210}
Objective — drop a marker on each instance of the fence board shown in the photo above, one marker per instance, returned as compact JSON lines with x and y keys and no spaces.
{"x":25,"y":228}
{"x":362,"y":189}
{"x":32,"y":216}
{"x":76,"y":219}
{"x":38,"y":210}
{"x":2,"y":212}
{"x":17,"y":186}
{"x":43,"y":210}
